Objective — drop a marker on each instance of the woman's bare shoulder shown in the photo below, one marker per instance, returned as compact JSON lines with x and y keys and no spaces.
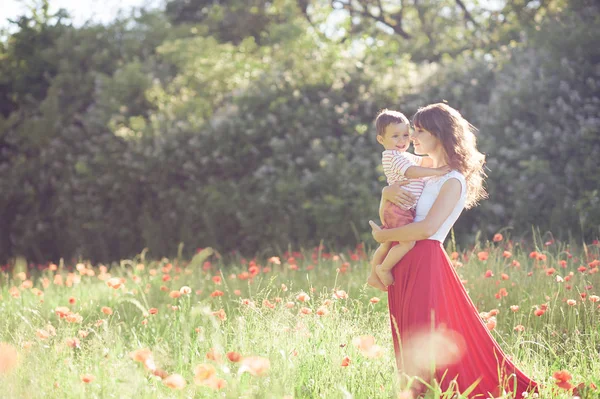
{"x":455,"y":178}
{"x":454,"y":174}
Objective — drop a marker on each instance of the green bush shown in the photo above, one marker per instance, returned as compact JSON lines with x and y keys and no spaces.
{"x":285,"y":164}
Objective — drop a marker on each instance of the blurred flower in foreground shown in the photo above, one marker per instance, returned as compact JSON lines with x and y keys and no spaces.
{"x":255,"y":365}
{"x":9,"y":357}
{"x":366,"y":346}
{"x":441,"y":347}
{"x":175,"y":381}
{"x":114,"y":283}
{"x":302,"y":297}
{"x":205,"y":374}
{"x":145,"y":357}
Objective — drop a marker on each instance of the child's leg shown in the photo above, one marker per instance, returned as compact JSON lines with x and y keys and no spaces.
{"x":378,"y":258}
{"x":384,"y":270}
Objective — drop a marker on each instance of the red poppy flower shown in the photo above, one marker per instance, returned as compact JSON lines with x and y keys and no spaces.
{"x":539,"y":312}
{"x":87,"y":378}
{"x":213,"y":355}
{"x":255,"y":365}
{"x":220,"y":314}
{"x":114,"y":283}
{"x":203,"y":372}
{"x":234,"y":357}
{"x":185,"y":290}
{"x":562,"y":379}
{"x":302,"y":297}
{"x":322,"y":311}
{"x":145,"y":357}
{"x":346,"y":361}
{"x":175,"y":381}
{"x":340,"y":294}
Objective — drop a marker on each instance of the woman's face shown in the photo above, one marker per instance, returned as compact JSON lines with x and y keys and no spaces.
{"x":423,"y":141}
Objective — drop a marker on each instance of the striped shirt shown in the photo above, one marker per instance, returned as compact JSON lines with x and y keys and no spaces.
{"x":395,"y":164}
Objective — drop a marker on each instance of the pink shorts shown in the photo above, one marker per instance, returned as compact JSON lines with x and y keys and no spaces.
{"x":394,"y":216}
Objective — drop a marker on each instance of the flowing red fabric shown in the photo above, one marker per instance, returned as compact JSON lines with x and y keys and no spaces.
{"x":434,"y":321}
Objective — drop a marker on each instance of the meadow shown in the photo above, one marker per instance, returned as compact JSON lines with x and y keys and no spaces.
{"x":299,"y":324}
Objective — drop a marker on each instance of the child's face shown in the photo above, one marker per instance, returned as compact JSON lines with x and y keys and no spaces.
{"x":395,"y":137}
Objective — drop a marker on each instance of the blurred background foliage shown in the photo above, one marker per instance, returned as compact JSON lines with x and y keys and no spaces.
{"x":248,"y":124}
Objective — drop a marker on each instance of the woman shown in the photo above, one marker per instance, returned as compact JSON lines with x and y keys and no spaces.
{"x":436,"y":328}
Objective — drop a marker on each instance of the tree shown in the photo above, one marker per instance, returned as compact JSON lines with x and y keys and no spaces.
{"x":430,"y":29}
{"x":230,"y":20}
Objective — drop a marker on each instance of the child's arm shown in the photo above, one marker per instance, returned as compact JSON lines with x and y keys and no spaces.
{"x":415,"y":172}
{"x":411,"y":166}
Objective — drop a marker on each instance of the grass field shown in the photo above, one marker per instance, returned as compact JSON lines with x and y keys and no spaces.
{"x":296,"y":325}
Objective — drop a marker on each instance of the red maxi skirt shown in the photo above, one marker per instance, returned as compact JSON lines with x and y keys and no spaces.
{"x":438,"y":333}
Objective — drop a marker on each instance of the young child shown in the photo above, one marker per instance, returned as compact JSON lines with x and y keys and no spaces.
{"x":398,"y":165}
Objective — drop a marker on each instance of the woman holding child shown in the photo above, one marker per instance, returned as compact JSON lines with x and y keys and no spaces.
{"x":433,"y":319}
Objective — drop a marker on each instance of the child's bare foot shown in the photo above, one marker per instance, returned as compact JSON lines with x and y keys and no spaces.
{"x":385,"y":275}
{"x":374,"y":281}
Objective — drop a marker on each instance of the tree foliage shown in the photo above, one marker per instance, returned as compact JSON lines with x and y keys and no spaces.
{"x":249,"y":125}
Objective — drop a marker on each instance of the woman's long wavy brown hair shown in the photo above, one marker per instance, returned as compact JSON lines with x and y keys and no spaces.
{"x":458,"y":139}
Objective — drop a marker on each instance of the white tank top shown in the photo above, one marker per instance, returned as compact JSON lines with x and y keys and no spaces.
{"x":433,"y":185}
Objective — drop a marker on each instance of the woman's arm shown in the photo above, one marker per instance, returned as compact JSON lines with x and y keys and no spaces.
{"x":397,"y":195}
{"x":439,"y":212}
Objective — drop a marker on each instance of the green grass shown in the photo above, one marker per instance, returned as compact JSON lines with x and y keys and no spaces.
{"x":305,"y":351}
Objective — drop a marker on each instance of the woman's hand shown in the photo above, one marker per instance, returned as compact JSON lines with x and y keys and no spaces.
{"x":377,"y":232}
{"x":397,"y":195}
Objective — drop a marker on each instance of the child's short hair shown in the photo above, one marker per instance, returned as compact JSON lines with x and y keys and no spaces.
{"x":387,"y":117}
